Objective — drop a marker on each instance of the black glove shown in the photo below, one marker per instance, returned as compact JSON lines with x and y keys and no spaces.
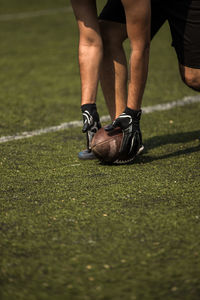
{"x":91,"y":122}
{"x":131,"y":145}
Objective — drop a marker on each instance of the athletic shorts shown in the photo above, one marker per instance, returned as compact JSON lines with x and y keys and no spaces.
{"x":183,"y":17}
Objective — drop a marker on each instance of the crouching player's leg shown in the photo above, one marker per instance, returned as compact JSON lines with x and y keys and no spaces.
{"x":90,"y":56}
{"x":184,"y":21}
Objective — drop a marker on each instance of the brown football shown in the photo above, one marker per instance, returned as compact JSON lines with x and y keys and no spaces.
{"x":106,"y":145}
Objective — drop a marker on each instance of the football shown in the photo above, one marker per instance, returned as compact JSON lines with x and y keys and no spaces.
{"x":106,"y":144}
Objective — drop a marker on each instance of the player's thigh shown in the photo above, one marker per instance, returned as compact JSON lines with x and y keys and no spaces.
{"x":85,"y":12}
{"x":184,"y":21}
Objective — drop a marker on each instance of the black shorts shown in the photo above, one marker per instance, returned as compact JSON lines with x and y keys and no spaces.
{"x":183,"y":17}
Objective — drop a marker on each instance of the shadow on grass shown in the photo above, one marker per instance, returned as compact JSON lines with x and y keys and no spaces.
{"x":157,"y":141}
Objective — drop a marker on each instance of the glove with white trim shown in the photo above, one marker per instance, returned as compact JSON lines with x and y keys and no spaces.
{"x":91,"y":122}
{"x":131,"y":145}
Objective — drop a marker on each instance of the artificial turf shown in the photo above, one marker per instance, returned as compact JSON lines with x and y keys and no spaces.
{"x":81,"y":230}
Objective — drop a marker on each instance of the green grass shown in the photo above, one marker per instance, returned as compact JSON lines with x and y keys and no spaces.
{"x":81,"y":230}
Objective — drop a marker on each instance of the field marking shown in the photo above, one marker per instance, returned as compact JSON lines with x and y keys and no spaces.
{"x":74,"y":124}
{"x":33,"y":14}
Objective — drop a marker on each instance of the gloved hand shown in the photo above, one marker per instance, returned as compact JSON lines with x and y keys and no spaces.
{"x":91,"y":122}
{"x":131,"y":145}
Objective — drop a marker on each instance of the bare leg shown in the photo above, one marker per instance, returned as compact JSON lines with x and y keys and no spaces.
{"x":191,"y":77}
{"x":138,"y":24}
{"x":90,"y":48}
{"x":113,"y":75}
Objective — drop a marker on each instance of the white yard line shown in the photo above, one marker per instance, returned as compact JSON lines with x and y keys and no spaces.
{"x":166,"y":106}
{"x":75,"y":124}
{"x":33,"y":14}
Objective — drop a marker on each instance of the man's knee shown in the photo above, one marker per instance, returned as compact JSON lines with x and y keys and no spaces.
{"x":192,"y":82}
{"x":90,"y":37}
{"x":113,"y":34}
{"x":191,"y":77}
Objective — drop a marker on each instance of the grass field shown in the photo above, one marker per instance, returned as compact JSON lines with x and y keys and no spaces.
{"x":79,"y":230}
